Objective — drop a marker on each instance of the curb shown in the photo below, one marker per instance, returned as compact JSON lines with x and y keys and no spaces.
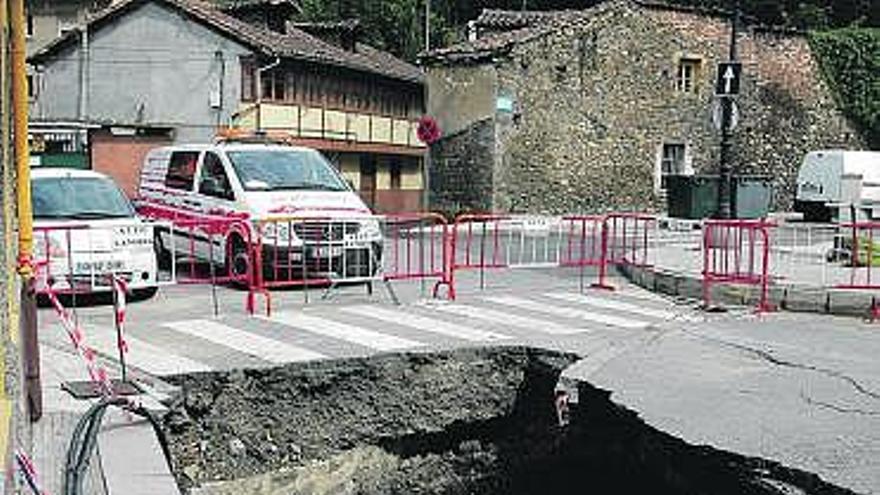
{"x":800,"y":299}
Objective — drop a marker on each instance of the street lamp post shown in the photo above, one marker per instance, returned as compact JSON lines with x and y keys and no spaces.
{"x":725,"y":195}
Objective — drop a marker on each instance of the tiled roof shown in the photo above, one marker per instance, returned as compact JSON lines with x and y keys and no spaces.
{"x":295,"y":44}
{"x":507,"y":28}
{"x":507,"y":20}
{"x":345,"y":24}
{"x":227,"y":5}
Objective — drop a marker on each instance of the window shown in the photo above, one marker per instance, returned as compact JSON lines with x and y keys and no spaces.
{"x":672,"y":162}
{"x":688,"y":74}
{"x":30,"y":25}
{"x":280,"y":170}
{"x":213,"y":180}
{"x":273,"y":85}
{"x":181,"y":170}
{"x":78,"y":198}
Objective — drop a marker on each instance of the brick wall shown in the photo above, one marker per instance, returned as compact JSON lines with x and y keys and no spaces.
{"x":121,"y":157}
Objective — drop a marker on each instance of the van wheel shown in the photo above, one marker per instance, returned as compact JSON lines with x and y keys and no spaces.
{"x":238,"y":261}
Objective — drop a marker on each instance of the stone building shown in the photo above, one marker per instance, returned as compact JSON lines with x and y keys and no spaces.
{"x":583,"y":111}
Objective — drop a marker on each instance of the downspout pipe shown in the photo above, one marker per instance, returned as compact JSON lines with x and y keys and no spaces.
{"x":259,"y":81}
{"x":84,"y":56}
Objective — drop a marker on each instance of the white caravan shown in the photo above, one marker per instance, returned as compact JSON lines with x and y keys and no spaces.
{"x":832,"y":183}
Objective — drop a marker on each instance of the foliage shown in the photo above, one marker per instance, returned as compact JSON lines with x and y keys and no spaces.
{"x":398,"y":25}
{"x":850,"y":61}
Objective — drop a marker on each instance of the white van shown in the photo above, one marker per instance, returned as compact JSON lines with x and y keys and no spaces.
{"x":830,"y":181}
{"x":268,"y":184}
{"x":85,"y":230}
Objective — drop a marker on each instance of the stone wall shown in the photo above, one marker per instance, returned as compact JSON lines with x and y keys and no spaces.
{"x":596,"y":99}
{"x":461,"y":170}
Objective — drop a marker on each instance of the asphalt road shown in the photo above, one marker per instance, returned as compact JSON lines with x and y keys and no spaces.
{"x":799,"y":389}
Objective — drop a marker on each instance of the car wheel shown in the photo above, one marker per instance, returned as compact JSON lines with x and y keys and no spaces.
{"x":237,"y":259}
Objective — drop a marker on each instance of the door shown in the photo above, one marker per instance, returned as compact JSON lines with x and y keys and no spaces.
{"x":216,"y":195}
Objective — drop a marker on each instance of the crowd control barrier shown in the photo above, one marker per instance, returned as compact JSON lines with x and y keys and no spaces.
{"x":859,"y":245}
{"x":487,"y":242}
{"x":332,"y":251}
{"x":625,"y":241}
{"x":736,"y":252}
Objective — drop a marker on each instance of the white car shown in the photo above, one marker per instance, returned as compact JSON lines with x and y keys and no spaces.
{"x":85,"y":231}
{"x":304,"y":213}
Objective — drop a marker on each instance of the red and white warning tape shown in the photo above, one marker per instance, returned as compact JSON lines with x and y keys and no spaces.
{"x":96,"y":372}
{"x":29,"y":472}
{"x":121,"y":289}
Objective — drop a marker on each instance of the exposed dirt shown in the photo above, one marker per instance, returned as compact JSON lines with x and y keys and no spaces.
{"x":479,"y":421}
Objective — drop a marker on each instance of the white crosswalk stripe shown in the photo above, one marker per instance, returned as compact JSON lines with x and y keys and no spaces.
{"x":566,"y":312}
{"x":425,"y":324}
{"x":500,"y":317}
{"x":606,"y":303}
{"x":342,"y":331}
{"x":142,"y":355}
{"x":264,"y":348}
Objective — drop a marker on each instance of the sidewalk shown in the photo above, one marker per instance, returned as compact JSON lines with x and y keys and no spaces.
{"x":801,"y":277}
{"x":128,"y":459}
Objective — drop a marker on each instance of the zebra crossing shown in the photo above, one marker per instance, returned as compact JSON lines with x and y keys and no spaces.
{"x":334,"y":331}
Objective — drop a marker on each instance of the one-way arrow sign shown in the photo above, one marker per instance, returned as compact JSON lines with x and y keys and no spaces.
{"x":727,"y":83}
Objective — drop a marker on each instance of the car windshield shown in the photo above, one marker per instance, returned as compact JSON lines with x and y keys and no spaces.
{"x":78,"y":198}
{"x":269,"y":170}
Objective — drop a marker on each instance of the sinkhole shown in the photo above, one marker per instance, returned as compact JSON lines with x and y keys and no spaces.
{"x":481,"y":421}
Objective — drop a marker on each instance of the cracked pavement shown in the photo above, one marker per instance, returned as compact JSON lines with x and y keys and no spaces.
{"x":803,"y":389}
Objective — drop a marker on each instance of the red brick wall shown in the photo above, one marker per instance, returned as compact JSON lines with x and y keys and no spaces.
{"x":397,"y":200}
{"x":121,"y":157}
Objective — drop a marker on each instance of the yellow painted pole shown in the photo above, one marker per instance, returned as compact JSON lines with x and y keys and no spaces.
{"x":28,"y":317}
{"x":20,"y":136}
{"x":10,"y":311}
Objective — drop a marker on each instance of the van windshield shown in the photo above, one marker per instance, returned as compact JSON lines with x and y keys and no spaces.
{"x":78,"y":198}
{"x":270,"y":170}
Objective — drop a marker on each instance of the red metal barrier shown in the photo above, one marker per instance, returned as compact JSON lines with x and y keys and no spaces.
{"x":625,"y":240}
{"x":583,"y":246}
{"x":205,"y":249}
{"x":419,"y":248}
{"x":859,"y":242}
{"x":196,"y":248}
{"x":462,"y":244}
{"x":738,"y":252}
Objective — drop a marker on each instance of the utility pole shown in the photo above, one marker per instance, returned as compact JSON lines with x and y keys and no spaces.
{"x":725,"y":195}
